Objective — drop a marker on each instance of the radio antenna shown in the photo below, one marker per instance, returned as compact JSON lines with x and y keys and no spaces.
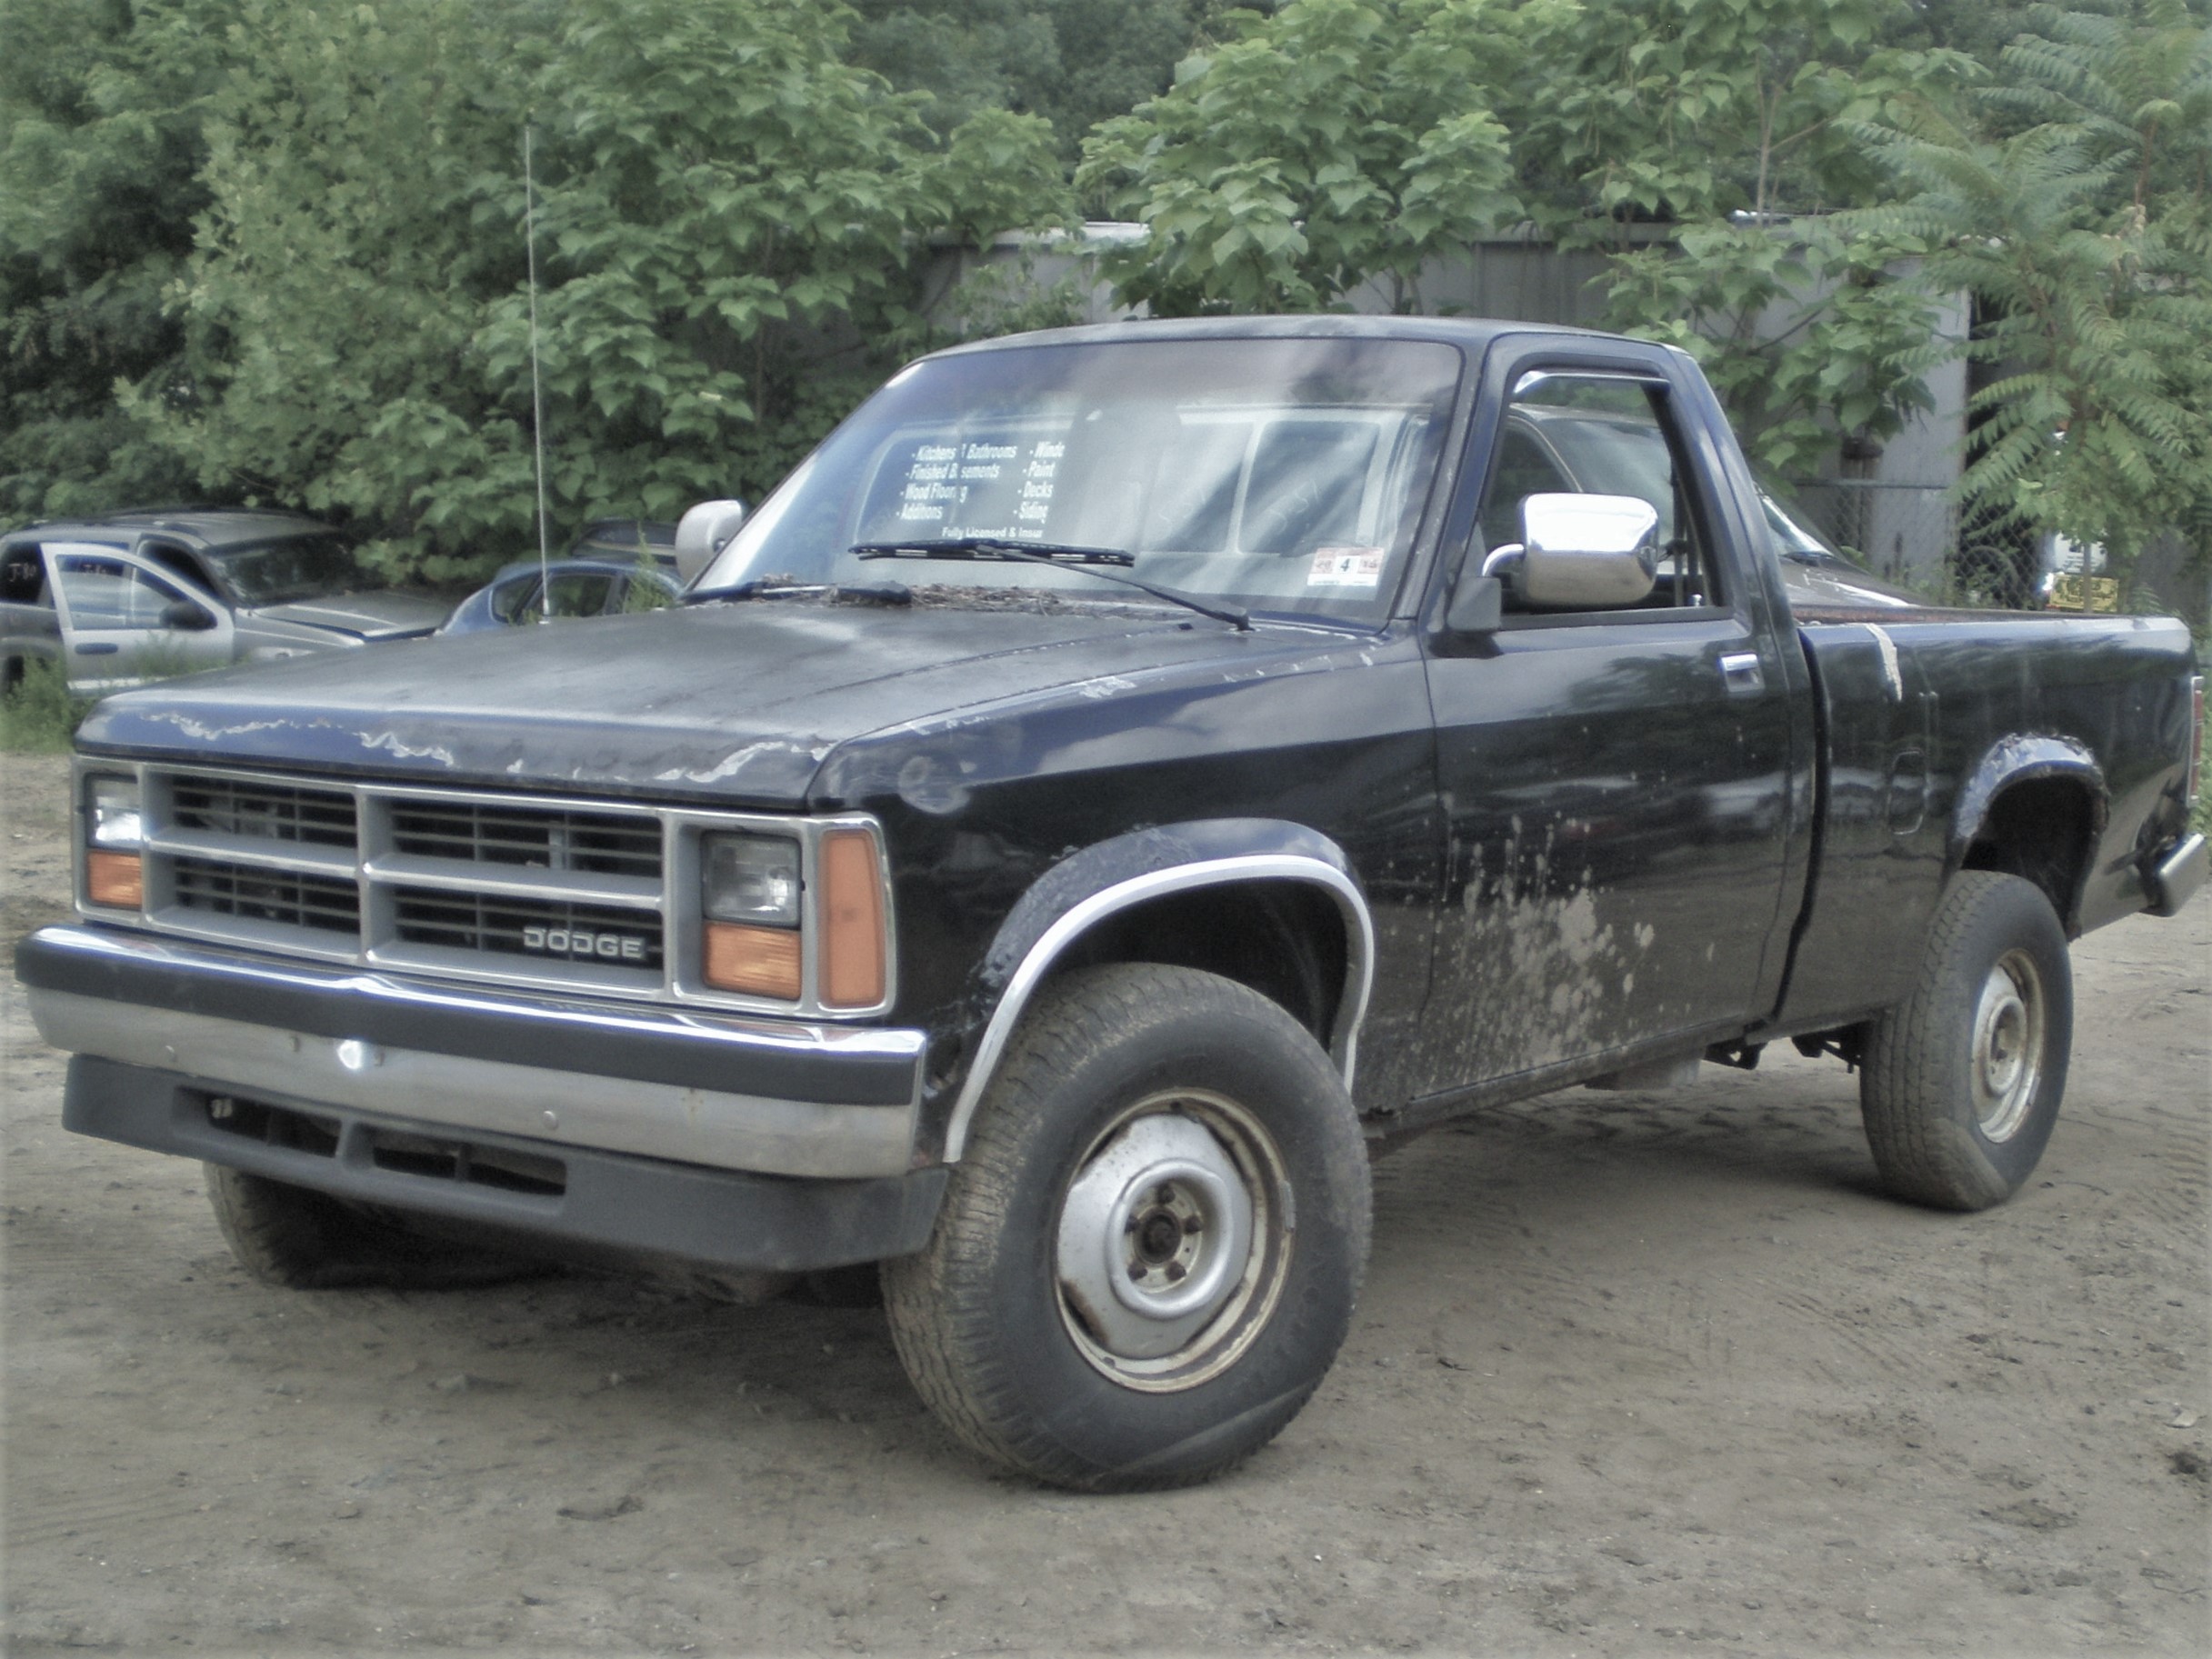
{"x":538,"y":392}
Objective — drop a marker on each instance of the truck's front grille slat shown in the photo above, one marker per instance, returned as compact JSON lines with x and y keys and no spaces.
{"x":465,"y":832}
{"x":266,"y":812}
{"x":289,"y":898}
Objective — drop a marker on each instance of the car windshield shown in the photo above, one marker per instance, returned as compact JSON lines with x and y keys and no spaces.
{"x":297,"y":568}
{"x":1284,"y":476}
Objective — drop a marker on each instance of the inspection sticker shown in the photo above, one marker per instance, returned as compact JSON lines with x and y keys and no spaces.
{"x":1346,"y":567}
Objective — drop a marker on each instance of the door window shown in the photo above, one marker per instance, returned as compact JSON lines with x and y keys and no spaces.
{"x":1602,"y":435}
{"x":22,"y":577}
{"x":106,"y":595}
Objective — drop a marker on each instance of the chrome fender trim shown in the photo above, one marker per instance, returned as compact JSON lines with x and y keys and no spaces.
{"x":1359,"y":965}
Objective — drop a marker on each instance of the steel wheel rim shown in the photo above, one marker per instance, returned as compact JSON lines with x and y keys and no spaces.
{"x":2006,"y":1058}
{"x":1172,"y":1242}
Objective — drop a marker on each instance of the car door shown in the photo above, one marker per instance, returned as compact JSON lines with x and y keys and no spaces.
{"x":1615,"y":780}
{"x":29,"y":630}
{"x":123,"y":621}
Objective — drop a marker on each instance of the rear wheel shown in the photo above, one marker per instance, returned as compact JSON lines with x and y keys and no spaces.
{"x":1964,"y":1078}
{"x":1149,"y":1255}
{"x":303,"y":1240}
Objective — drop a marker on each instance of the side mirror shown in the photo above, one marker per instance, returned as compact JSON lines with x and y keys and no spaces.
{"x":1595,"y":551}
{"x":186,"y":617}
{"x":704,"y":531}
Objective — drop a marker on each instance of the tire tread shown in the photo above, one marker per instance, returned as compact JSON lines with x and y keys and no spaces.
{"x":943,"y":1323}
{"x":1923,"y":1154}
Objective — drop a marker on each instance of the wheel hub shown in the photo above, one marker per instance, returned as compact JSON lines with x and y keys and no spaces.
{"x":1161,"y":1243}
{"x":2007,"y":1055}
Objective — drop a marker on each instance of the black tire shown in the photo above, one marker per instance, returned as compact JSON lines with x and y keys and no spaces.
{"x":1105,"y":1167}
{"x":1962,"y":1079}
{"x":303,"y":1240}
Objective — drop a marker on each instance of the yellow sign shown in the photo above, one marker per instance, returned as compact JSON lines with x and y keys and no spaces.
{"x":2085,"y":594}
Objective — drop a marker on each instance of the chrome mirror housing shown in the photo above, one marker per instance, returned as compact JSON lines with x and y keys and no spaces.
{"x":1600,"y":552}
{"x":703,"y":532}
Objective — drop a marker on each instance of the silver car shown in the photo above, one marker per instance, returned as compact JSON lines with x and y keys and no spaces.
{"x":127,"y":597}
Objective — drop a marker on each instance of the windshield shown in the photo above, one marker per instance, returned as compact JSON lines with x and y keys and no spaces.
{"x":298,"y":567}
{"x":1286,"y":475}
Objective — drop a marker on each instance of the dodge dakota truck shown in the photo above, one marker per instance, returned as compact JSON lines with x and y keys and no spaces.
{"x":1121,"y":777}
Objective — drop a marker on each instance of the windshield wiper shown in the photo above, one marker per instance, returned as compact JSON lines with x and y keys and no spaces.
{"x":771,"y":587}
{"x":1106,"y":563}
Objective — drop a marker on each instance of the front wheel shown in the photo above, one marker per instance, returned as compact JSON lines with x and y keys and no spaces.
{"x":1149,"y":1255}
{"x":1964,"y":1077}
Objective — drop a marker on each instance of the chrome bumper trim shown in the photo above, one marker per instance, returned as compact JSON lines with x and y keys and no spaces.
{"x":2174,"y":879}
{"x":724,"y":1091}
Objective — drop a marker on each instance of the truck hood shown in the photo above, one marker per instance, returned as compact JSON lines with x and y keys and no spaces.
{"x":735,"y":703}
{"x":378,"y":615}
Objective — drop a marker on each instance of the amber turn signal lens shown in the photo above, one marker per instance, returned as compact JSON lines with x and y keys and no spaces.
{"x":759,"y":961}
{"x":117,"y":879}
{"x":852,"y":919}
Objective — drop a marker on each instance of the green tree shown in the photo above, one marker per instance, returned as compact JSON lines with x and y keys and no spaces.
{"x":1336,"y":142}
{"x":1076,"y":63}
{"x":2078,"y":212}
{"x":1687,"y":110}
{"x":100,"y":151}
{"x":1803,"y":330}
{"x":727,"y":218}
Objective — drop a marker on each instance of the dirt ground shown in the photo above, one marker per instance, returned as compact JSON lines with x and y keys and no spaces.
{"x":1633,"y":1375}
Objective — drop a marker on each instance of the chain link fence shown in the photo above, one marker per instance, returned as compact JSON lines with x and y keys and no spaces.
{"x":1919,"y":535}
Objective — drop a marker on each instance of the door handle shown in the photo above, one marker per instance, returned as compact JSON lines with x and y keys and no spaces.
{"x":1741,"y":674}
{"x":109,"y":649}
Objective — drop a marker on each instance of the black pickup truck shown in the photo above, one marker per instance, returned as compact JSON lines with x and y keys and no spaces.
{"x":1123,"y":775}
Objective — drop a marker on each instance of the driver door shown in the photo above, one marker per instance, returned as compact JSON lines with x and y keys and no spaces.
{"x":1615,"y":780}
{"x":124,"y":624}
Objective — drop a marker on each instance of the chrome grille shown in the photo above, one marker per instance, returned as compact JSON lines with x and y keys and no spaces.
{"x":604,"y":844}
{"x":267,"y":812}
{"x":564,"y":896}
{"x":600,"y":934}
{"x":282,"y":898}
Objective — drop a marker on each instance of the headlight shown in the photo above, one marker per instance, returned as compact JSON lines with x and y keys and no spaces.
{"x":752,"y":879}
{"x":799,"y":925}
{"x":112,"y":819}
{"x":115,"y":830}
{"x":749,"y":894}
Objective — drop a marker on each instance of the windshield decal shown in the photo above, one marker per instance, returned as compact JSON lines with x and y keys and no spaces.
{"x":1355,"y":567}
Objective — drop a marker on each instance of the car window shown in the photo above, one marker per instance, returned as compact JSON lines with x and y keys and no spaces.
{"x":1523,"y":470}
{"x":580,"y":593}
{"x":177,"y":560}
{"x":575,"y":593}
{"x":110,"y":594}
{"x":1602,"y":435}
{"x":22,"y":577}
{"x":293,"y":568}
{"x":510,"y":598}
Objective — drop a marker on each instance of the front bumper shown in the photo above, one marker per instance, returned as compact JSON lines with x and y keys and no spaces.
{"x":597,"y":1205}
{"x":722,"y":1139}
{"x":725,"y":1091}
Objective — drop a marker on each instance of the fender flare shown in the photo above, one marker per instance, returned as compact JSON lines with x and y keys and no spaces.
{"x":1081,"y":891}
{"x":2018,"y":760}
